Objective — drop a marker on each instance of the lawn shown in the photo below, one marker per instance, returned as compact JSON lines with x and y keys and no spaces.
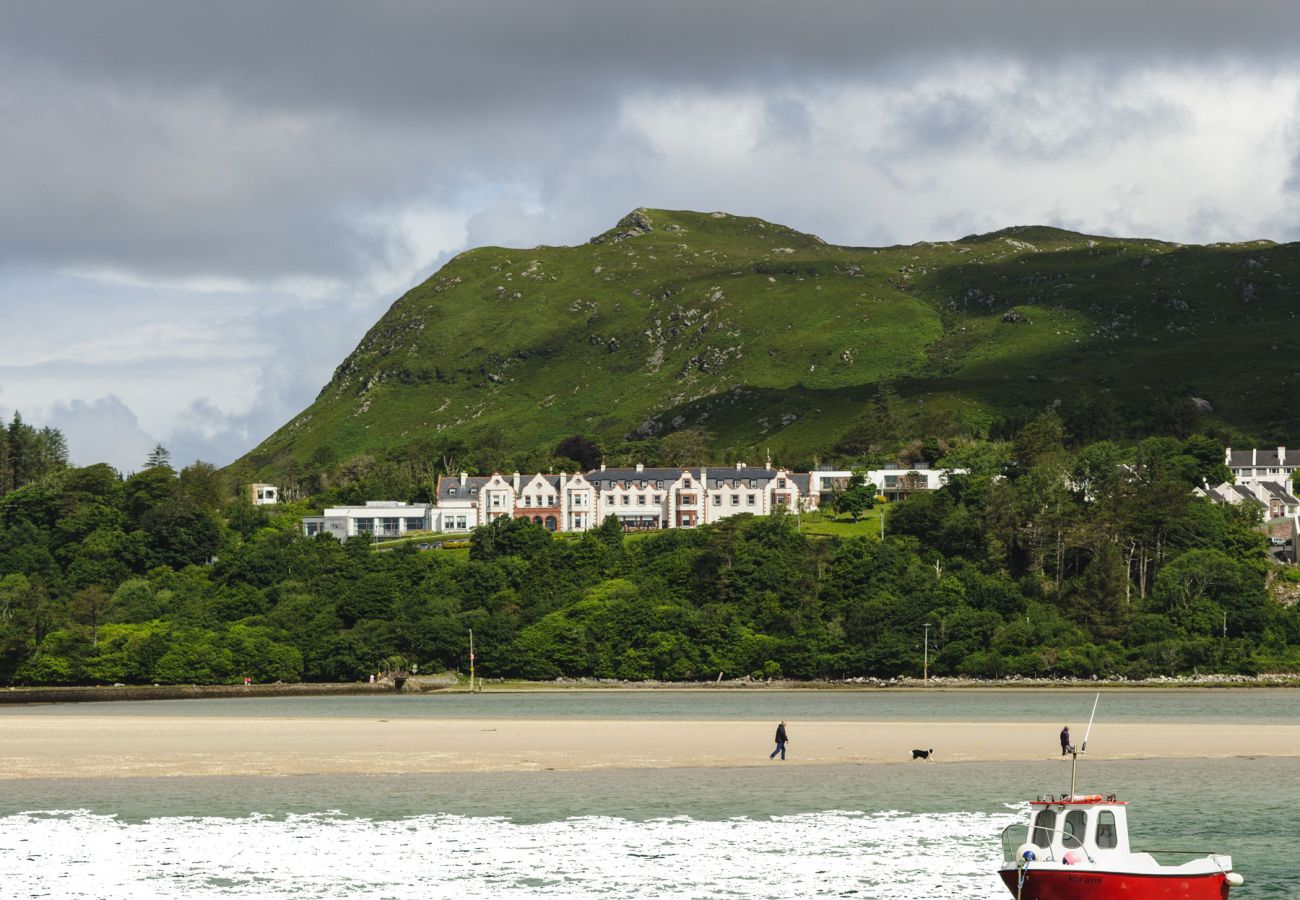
{"x":830,"y":525}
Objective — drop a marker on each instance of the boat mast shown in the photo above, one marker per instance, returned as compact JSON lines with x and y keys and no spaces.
{"x":1074,"y":754}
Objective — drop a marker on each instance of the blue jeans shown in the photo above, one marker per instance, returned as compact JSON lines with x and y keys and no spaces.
{"x":780,"y":748}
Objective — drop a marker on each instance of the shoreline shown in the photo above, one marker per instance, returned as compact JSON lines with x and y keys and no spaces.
{"x":112,"y":746}
{"x":17,"y":696}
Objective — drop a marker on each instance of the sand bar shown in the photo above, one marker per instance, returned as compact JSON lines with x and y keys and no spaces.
{"x":96,"y":746}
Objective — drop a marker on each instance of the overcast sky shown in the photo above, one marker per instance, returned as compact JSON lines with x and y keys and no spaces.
{"x":204,"y":205}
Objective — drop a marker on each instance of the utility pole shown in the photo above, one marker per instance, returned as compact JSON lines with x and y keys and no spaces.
{"x":926,"y":676}
{"x":471,"y":660}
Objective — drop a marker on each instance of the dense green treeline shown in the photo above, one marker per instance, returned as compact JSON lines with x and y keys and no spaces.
{"x":28,"y":454}
{"x":1040,"y":561}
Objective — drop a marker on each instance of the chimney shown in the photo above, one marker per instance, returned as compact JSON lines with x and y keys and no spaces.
{"x":1281,"y":456}
{"x":464,"y":476}
{"x":563,"y":479}
{"x":640,"y":467}
{"x":1254,"y":456}
{"x":602,"y":464}
{"x":739,"y":466}
{"x":1227,"y":456}
{"x":515,"y":482}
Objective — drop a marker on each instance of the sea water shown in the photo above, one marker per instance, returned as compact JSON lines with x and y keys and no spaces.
{"x":1238,"y":705}
{"x":907,"y":830}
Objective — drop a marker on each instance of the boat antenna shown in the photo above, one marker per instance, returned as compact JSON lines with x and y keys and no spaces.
{"x":1095,"y":701}
{"x":1074,"y":754}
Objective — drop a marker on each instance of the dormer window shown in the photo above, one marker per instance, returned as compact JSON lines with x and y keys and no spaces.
{"x":451,"y":492}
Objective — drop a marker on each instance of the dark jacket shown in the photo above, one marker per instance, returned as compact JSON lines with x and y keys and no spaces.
{"x":780,"y":734}
{"x":1065,"y":737}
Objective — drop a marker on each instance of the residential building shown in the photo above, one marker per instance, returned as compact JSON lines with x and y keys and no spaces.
{"x":1269,"y":464}
{"x":263,"y":494}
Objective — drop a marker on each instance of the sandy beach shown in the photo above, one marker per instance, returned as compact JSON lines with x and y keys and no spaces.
{"x":96,"y":746}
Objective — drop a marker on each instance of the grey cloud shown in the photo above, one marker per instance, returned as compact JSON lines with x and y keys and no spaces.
{"x":786,"y":120}
{"x":409,"y":55}
{"x":103,"y":430}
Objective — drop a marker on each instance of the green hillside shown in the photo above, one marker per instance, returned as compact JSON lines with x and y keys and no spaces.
{"x":769,"y":339}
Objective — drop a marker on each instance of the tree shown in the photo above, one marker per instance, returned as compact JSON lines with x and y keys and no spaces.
{"x":158,"y":456}
{"x":688,"y":447}
{"x":857,"y":497}
{"x":581,"y":449}
{"x":88,"y":606}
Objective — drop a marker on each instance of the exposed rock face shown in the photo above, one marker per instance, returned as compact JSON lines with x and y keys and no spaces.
{"x":634,"y":224}
{"x":1012,"y":317}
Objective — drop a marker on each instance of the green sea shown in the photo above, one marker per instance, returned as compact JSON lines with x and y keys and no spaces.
{"x":869,"y":831}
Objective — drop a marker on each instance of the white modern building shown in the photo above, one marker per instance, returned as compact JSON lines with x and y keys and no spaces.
{"x":378,"y":518}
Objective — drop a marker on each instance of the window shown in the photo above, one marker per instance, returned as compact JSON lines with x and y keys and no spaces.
{"x":550,"y":500}
{"x":1044,"y":825}
{"x":414,"y":524}
{"x":780,"y":482}
{"x":451,"y":491}
{"x":625,"y":500}
{"x":365,"y":526}
{"x":659,"y":485}
{"x":717,"y":499}
{"x":1106,"y":836}
{"x":528,"y":501}
{"x":1074,"y":829}
{"x":735,"y":499}
{"x":640,"y":499}
{"x":659,"y":499}
{"x":750,"y":500}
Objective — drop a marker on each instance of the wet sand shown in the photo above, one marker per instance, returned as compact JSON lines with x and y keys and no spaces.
{"x":97,"y":746}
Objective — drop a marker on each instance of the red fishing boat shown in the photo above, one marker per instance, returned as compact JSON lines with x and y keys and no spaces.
{"x":1076,"y":847}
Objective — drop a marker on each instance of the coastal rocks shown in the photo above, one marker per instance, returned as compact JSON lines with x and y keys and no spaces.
{"x":1011,"y":317}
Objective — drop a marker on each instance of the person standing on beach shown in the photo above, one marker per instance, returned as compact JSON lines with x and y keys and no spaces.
{"x":1065,"y":740}
{"x":780,"y":741}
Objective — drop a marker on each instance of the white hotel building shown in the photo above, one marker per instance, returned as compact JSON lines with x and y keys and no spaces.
{"x":640,"y":498}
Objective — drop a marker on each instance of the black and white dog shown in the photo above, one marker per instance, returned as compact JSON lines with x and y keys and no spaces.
{"x":922,"y":754}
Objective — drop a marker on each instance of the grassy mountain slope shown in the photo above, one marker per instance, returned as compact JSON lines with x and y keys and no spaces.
{"x":768,"y":338}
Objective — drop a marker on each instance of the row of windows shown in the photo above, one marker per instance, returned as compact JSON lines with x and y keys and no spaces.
{"x":1074,"y":829}
{"x":550,"y":501}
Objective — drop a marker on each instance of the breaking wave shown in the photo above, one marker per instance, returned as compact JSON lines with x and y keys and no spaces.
{"x":78,"y":854}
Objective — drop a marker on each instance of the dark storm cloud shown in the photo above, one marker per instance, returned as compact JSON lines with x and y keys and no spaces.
{"x":263,"y":139}
{"x":407,"y":56}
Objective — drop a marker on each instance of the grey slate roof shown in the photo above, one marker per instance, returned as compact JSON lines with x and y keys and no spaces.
{"x":449,"y":487}
{"x":1267,"y":456}
{"x":1277,"y":490}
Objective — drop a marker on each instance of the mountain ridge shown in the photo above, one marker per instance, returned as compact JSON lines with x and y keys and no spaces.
{"x":767,"y":338}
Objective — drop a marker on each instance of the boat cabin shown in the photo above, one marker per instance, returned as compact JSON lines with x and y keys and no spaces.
{"x":1075,"y":829}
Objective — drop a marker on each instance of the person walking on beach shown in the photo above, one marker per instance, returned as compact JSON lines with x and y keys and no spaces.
{"x":780,"y":741}
{"x":1065,"y":740}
